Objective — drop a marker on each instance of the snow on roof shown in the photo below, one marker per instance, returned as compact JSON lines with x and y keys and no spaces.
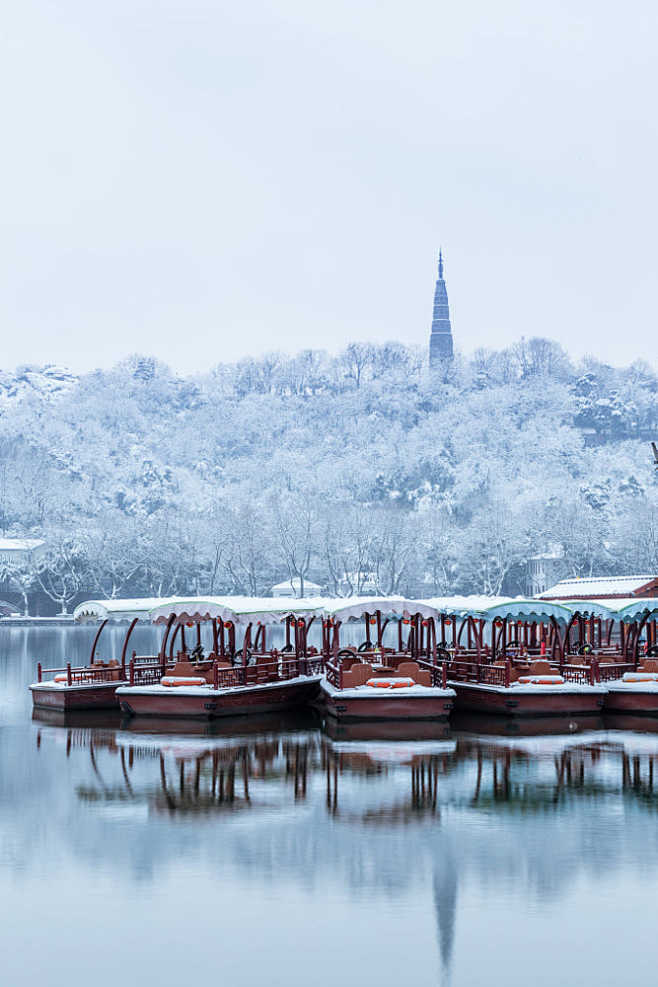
{"x":295,"y":584}
{"x":597,"y":586}
{"x":93,"y":610}
{"x":20,"y":544}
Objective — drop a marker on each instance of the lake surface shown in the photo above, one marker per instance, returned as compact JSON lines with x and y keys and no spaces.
{"x":272,"y":852}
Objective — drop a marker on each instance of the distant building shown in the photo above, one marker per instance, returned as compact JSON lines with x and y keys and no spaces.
{"x":603,"y":588}
{"x":292,"y":588}
{"x":21,"y":550}
{"x":441,"y":348}
{"x":543,"y":571}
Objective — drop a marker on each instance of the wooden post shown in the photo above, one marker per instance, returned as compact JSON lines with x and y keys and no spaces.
{"x":444,"y":674}
{"x":173,"y":641}
{"x":93,"y":647}
{"x":125,"y":645}
{"x":215,"y":639}
{"x":508,"y":672}
{"x":39,"y":672}
{"x":379,"y":629}
{"x":198,"y":633}
{"x":69,"y":680}
{"x":335,"y":645}
{"x":165,"y":638}
{"x":131,"y":669}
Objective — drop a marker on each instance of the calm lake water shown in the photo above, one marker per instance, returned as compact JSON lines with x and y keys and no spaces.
{"x":273,"y":852}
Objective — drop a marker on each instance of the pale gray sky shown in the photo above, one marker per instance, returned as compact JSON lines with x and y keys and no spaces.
{"x":203,"y":180}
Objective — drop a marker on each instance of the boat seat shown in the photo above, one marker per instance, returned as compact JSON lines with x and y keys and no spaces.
{"x":408,"y":669}
{"x":349,"y":681}
{"x":361,"y":673}
{"x":185,"y":668}
{"x":540,"y":668}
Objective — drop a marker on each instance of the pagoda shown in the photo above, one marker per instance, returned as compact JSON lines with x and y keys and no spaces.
{"x":441,"y":348}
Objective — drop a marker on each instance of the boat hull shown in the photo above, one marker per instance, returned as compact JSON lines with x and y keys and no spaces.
{"x":206,"y":703}
{"x":541,"y":701}
{"x":350,"y":705}
{"x":631,"y":698}
{"x":66,"y":698}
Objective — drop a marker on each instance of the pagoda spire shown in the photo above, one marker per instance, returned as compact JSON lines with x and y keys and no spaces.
{"x":441,"y":347}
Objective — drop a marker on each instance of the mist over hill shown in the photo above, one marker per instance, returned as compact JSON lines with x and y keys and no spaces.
{"x":361,"y":472}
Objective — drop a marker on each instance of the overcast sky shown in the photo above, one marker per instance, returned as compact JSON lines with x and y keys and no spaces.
{"x":204,"y":180}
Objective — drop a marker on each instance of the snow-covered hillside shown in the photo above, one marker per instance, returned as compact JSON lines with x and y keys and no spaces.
{"x":360,"y":469}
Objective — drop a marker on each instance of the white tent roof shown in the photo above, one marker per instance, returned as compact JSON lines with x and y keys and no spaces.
{"x":354,"y":607}
{"x":244,"y":610}
{"x":637,"y":609}
{"x":465,"y":606}
{"x":239,"y":609}
{"x":94,"y":610}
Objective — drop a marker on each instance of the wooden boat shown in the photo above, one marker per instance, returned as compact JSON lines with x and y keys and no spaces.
{"x":92,"y":686}
{"x":375,"y":682}
{"x":231,"y":681}
{"x":514,"y":661}
{"x":635,"y":691}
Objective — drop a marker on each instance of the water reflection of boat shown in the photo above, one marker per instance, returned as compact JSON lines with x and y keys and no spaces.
{"x":388,"y":730}
{"x":528,"y":726}
{"x":81,"y":719}
{"x":638,"y":722}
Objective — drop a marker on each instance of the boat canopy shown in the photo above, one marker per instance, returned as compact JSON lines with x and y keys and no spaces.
{"x":239,"y":609}
{"x":638,"y":609}
{"x":465,"y":606}
{"x":392,"y":607}
{"x":92,"y":611}
{"x":535,"y":611}
{"x":247,"y":610}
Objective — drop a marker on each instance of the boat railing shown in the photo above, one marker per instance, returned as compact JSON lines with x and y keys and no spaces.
{"x":149,"y":671}
{"x":609,"y":671}
{"x":438,"y":673}
{"x":334,"y":674}
{"x":82,"y":674}
{"x":579,"y":674}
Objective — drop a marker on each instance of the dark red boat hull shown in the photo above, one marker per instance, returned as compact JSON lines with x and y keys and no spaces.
{"x":645,"y":703}
{"x":512,"y":703}
{"x":68,"y":698}
{"x":207,"y":705}
{"x":386,"y":708}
